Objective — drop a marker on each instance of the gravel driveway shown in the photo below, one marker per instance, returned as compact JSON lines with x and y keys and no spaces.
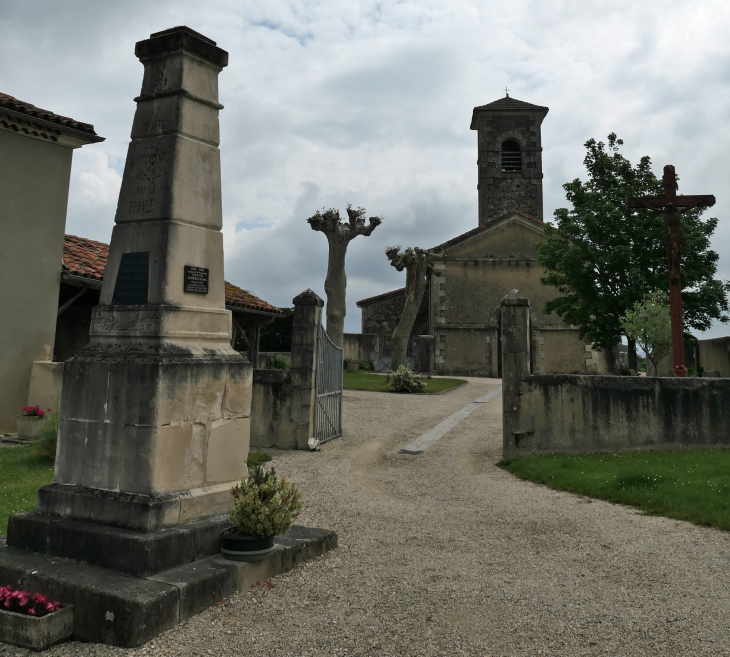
{"x":445,"y":554}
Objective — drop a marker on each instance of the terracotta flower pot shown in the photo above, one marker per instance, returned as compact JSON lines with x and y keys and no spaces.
{"x":34,"y":632}
{"x":29,"y":426}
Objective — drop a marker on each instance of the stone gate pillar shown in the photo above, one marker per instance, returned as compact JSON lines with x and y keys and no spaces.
{"x":515,"y":346}
{"x":307,"y":319}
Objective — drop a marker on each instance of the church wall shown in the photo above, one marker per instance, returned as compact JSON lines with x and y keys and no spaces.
{"x":381,"y":317}
{"x":563,"y":351}
{"x":512,"y":240}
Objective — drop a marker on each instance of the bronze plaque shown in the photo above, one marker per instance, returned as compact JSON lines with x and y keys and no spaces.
{"x":196,"y":279}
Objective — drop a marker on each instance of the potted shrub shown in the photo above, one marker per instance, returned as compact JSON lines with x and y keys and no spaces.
{"x":264,"y":506}
{"x":33,"y":620}
{"x":30,"y":422}
{"x":351,"y":366}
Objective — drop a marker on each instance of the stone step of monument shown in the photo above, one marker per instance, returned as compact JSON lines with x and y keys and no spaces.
{"x":122,"y":610}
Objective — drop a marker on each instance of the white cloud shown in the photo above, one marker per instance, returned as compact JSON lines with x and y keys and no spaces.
{"x":369,"y":102}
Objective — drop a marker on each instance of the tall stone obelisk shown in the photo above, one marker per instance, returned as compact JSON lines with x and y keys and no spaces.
{"x":154,"y":420}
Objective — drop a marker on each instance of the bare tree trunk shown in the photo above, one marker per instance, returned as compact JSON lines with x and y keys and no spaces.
{"x":339,"y":235}
{"x":418,"y":264}
{"x":335,"y":287}
{"x":415,"y":290}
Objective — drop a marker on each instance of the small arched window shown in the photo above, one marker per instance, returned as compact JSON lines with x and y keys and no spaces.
{"x":511,"y":156}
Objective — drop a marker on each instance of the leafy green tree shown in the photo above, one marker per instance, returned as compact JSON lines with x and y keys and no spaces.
{"x":603,"y":256}
{"x":649,"y":324}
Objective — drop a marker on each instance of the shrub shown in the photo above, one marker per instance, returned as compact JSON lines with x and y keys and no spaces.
{"x":277,"y":363}
{"x":403,"y":380}
{"x":366,"y":365}
{"x":46,"y":446}
{"x":264,"y":505}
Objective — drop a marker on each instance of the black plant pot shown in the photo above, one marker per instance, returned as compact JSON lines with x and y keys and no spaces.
{"x":245,"y":548}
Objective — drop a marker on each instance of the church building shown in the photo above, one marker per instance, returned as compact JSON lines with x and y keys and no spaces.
{"x":461,"y":308}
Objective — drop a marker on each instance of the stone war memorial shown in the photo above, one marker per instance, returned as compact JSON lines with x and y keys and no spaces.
{"x":155,"y":412}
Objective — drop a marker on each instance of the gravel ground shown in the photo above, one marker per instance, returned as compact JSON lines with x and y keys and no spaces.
{"x":445,"y":554}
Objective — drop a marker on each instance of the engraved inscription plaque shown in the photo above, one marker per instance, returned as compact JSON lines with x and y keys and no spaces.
{"x":196,"y":279}
{"x":131,"y":287}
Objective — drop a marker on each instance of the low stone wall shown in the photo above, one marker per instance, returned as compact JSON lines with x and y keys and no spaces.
{"x":361,"y":346}
{"x":265,"y":355}
{"x":563,"y":413}
{"x":272,"y":410}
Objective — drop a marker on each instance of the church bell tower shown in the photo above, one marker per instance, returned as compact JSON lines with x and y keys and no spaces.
{"x":510,"y":158}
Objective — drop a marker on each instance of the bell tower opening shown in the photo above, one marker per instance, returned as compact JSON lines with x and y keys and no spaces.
{"x":511,"y":156}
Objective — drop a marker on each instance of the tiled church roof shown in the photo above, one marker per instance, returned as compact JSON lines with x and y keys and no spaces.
{"x":380,"y":297}
{"x":510,"y":104}
{"x":87,"y":258}
{"x":11,"y":103}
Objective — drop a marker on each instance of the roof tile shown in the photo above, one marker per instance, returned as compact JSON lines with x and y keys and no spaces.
{"x":12,"y":103}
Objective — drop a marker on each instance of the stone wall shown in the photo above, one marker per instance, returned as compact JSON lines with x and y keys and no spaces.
{"x":563,"y":413}
{"x":361,"y":346}
{"x":381,"y":315}
{"x":272,"y":410}
{"x":264,"y":356}
{"x":500,"y":191}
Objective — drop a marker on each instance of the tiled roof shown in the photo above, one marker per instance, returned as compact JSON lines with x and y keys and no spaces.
{"x":479,"y":229}
{"x":510,"y":104}
{"x":84,"y":258}
{"x":239,"y":298}
{"x":11,"y":103}
{"x":87,"y":258}
{"x":380,"y":297}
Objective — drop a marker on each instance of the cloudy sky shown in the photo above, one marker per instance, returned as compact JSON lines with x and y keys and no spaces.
{"x":370,"y":102}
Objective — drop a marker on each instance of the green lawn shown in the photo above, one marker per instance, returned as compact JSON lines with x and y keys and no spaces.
{"x":370,"y":381}
{"x":21,"y":475}
{"x":689,"y":485}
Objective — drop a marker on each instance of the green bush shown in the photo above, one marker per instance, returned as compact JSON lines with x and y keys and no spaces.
{"x":403,"y":380}
{"x":46,"y":446}
{"x":366,"y":365}
{"x":264,"y":505}
{"x":277,"y":363}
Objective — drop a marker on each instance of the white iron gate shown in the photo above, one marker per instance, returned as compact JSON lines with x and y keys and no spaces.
{"x":328,"y":408}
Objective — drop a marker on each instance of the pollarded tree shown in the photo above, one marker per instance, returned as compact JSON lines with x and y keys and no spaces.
{"x":604,"y":256}
{"x":418,"y":264}
{"x":339,"y":235}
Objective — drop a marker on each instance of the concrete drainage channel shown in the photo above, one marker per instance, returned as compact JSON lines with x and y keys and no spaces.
{"x":424,"y":441}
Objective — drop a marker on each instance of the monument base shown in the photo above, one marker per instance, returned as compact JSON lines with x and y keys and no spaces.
{"x":122,"y":610}
{"x":127,"y":551}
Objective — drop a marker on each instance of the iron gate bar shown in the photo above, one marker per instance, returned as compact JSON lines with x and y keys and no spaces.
{"x":329,"y":380}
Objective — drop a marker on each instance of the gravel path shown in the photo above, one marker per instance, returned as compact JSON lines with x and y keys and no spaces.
{"x":445,"y":554}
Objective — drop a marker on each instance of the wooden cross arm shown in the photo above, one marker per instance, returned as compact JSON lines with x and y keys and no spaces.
{"x":660,"y":202}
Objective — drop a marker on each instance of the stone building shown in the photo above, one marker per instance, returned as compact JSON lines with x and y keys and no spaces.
{"x":462,"y":307}
{"x":36,"y":148}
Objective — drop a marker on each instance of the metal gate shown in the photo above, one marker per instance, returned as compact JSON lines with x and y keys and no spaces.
{"x":328,"y":408}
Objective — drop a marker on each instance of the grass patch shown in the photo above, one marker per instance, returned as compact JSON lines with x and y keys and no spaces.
{"x":257,"y":458}
{"x":22,"y":473}
{"x":688,"y":485}
{"x":376,"y":382}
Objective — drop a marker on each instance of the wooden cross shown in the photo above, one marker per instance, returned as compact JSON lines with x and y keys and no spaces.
{"x":672,"y":206}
